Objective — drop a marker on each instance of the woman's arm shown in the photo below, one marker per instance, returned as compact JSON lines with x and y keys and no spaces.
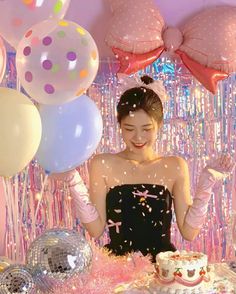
{"x":183,"y":199}
{"x":88,"y":206}
{"x":191,"y":214}
{"x":97,"y":194}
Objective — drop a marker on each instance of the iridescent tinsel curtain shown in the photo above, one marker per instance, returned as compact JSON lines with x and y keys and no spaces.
{"x":197,"y":126}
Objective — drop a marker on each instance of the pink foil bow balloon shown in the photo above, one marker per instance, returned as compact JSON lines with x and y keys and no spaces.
{"x":206,"y":44}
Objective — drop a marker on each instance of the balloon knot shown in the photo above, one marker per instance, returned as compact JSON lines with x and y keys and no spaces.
{"x":173,"y":38}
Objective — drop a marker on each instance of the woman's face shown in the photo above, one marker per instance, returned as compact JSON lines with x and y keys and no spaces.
{"x":139,"y":131}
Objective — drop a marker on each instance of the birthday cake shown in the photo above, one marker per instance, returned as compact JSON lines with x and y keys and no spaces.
{"x":182,"y":270}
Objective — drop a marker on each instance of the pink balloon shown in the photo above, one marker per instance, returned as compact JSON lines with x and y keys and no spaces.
{"x":136,"y":26}
{"x":131,"y":62}
{"x":115,"y":4}
{"x":172,"y":38}
{"x":17,"y":16}
{"x":3,"y":59}
{"x":210,"y":38}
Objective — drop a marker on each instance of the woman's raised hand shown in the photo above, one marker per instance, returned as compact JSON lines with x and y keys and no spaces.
{"x":220,"y":167}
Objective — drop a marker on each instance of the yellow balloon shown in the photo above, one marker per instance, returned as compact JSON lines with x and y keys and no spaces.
{"x":20,"y":131}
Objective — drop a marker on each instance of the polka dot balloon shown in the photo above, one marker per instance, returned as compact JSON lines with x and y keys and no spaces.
{"x":19,"y":15}
{"x":56,"y":61}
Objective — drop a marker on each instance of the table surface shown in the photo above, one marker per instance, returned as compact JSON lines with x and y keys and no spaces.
{"x":223,"y":271}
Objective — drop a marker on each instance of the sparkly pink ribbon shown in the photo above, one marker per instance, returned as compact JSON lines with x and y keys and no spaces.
{"x":112,"y":224}
{"x":144,"y":194}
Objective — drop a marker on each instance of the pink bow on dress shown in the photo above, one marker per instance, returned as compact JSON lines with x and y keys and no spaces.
{"x":206,"y":44}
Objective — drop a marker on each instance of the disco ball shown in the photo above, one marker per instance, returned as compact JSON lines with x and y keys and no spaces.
{"x":16,"y":279}
{"x":4,"y":263}
{"x":60,"y":253}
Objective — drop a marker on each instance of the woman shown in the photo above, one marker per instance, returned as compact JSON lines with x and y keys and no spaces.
{"x":132,"y":191}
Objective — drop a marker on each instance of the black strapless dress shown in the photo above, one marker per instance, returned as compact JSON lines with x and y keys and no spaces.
{"x":139,"y":219}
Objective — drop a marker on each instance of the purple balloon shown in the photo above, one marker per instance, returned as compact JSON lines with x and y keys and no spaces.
{"x":71,"y":133}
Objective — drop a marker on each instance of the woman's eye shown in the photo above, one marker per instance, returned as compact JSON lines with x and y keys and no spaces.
{"x":146,"y":130}
{"x":129,"y":130}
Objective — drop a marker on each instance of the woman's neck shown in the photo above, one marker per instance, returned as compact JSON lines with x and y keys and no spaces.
{"x":139,"y":157}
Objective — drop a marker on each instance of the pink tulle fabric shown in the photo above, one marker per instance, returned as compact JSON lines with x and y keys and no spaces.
{"x":107,"y":272}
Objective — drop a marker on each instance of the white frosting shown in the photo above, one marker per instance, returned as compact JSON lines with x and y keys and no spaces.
{"x":182,"y":272}
{"x":189,"y":266}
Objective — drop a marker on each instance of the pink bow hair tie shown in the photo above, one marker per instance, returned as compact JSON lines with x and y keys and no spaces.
{"x":206,"y":43}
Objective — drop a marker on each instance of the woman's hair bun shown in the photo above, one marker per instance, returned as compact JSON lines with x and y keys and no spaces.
{"x":146,"y":79}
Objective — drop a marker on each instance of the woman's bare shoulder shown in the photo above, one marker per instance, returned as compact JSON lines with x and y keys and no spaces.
{"x":103,"y":158}
{"x":178,"y":163}
{"x":175,"y":161}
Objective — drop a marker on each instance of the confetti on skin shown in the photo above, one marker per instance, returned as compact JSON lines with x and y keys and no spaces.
{"x":103,"y":161}
{"x":165,"y":165}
